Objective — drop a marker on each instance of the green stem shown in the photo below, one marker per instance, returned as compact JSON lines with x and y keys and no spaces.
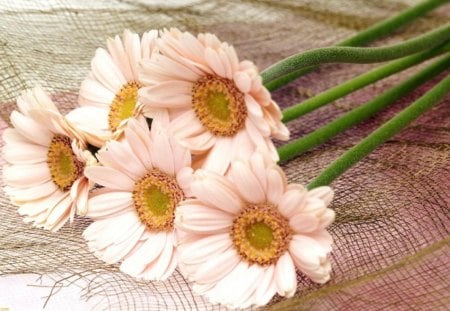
{"x":368,"y":35}
{"x":382,"y":134}
{"x":359,"y":82}
{"x":355,"y":54}
{"x":361,"y":113}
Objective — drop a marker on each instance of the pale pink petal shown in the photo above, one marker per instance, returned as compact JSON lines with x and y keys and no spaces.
{"x":105,"y":71}
{"x":116,"y":230}
{"x":307,"y":253}
{"x":232,"y":57}
{"x":184,"y":179}
{"x":95,"y":93}
{"x":163,"y":66}
{"x":285,"y":275}
{"x":138,"y":137}
{"x":58,"y":213}
{"x":162,"y":264}
{"x":202,"y":289}
{"x":226,"y":64}
{"x":133,"y":47}
{"x":26,"y":175}
{"x":35,"y":98}
{"x":187,"y":124}
{"x":258,"y":167}
{"x":109,"y":177}
{"x":254,"y":134}
{"x":247,"y":183}
{"x":327,"y":218}
{"x":79,"y":194}
{"x":34,"y":208}
{"x":60,"y":223}
{"x":145,"y":254}
{"x":109,"y":203}
{"x":256,"y":84}
{"x":245,"y":298}
{"x":162,"y":154}
{"x":227,"y":287}
{"x":276,"y":184}
{"x":120,"y":156}
{"x":182,"y":46}
{"x":204,"y":247}
{"x":54,"y":122}
{"x":194,"y":217}
{"x":119,"y":56}
{"x":266,"y":287}
{"x":218,"y":192}
{"x":24,"y":153}
{"x":218,"y":158}
{"x":116,"y":252}
{"x":158,"y":96}
{"x":91,"y":120}
{"x":239,"y":283}
{"x":255,"y":109}
{"x":30,"y":129}
{"x":323,"y":238}
{"x":181,"y":156}
{"x":325,"y":193}
{"x":213,"y":60}
{"x":148,"y":43}
{"x":11,"y":136}
{"x":292,"y":202}
{"x":314,"y":205}
{"x":171,"y":267}
{"x":197,"y":144}
{"x":242,"y":81}
{"x":31,"y":193}
{"x":303,"y":222}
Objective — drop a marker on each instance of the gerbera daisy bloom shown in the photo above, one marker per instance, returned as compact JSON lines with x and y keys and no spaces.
{"x":145,"y":177}
{"x":218,"y":107}
{"x":45,"y":158}
{"x":109,"y":95}
{"x":244,"y":234}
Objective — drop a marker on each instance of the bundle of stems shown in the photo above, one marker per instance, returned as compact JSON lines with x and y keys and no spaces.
{"x":403,"y":55}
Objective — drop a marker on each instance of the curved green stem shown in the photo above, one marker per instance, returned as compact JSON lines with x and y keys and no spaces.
{"x":359,"y":82}
{"x":355,"y":54}
{"x":361,"y":113}
{"x":382,"y":134}
{"x":368,"y":35}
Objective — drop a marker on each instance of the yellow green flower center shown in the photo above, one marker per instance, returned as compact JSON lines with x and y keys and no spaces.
{"x":261,"y":234}
{"x":155,"y":196}
{"x":64,"y":166}
{"x":123,"y":104}
{"x":219,"y":105}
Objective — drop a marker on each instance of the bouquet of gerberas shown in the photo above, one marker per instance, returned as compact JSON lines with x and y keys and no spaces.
{"x":171,"y":155}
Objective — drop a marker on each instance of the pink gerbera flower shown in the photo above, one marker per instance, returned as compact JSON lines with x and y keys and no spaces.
{"x":145,"y":177}
{"x":109,"y":95}
{"x":45,"y":158}
{"x":246,"y":233}
{"x":218,"y":107}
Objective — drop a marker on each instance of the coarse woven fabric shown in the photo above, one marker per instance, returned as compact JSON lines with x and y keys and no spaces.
{"x":392,"y":227}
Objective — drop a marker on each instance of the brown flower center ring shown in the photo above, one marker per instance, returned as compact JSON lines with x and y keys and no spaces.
{"x":155,"y":196}
{"x":64,"y":166}
{"x":219,"y":105}
{"x":123,"y":104}
{"x":261,"y":234}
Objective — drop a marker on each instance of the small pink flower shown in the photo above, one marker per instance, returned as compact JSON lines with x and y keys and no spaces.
{"x":145,"y":176}
{"x":109,"y":95}
{"x":218,"y":107}
{"x":244,"y":234}
{"x":45,"y":158}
